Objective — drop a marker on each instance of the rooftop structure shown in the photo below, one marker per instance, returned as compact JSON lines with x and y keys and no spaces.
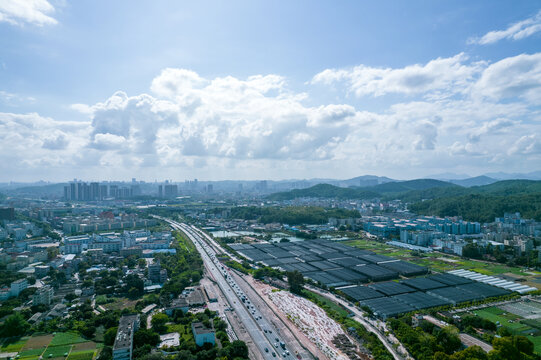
{"x":123,"y":346}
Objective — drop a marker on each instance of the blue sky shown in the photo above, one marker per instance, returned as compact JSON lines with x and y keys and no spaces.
{"x":259,"y":89}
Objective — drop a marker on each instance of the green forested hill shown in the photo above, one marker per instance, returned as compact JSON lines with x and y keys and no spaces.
{"x":292,"y":215}
{"x":389,"y":190}
{"x":481,"y":207}
{"x":433,"y":197}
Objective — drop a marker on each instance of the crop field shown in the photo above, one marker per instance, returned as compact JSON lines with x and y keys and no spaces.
{"x":57,"y":351}
{"x":38,"y":342}
{"x":89,"y":345}
{"x":81,"y":355}
{"x":66,"y":339}
{"x":52,"y":347}
{"x":531,"y":328}
{"x":16,"y":346}
{"x":31,"y":353}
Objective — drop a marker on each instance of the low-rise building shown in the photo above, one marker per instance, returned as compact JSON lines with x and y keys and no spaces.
{"x":202,"y":334}
{"x":123,"y":346}
{"x":18,"y":286}
{"x":43,"y":296}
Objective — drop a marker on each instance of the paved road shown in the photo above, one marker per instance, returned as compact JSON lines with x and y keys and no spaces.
{"x":263,"y":334}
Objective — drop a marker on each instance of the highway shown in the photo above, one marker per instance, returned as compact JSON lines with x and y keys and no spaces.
{"x":263,"y":334}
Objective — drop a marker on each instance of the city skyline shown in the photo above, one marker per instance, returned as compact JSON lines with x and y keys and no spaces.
{"x":268,"y":91}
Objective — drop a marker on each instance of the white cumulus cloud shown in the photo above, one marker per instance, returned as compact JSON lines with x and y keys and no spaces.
{"x":20,"y":12}
{"x":450,"y":75}
{"x":516,"y":31}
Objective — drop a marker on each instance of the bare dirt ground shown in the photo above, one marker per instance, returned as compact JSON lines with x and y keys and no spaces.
{"x":37,"y":342}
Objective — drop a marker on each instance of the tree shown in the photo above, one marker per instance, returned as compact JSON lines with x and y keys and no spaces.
{"x":15,"y":325}
{"x":504,"y":349}
{"x":106,"y":353}
{"x":158,"y":323}
{"x":109,"y":336}
{"x":144,"y":336}
{"x":296,"y":281}
{"x":238,"y":349}
{"x":448,"y":339}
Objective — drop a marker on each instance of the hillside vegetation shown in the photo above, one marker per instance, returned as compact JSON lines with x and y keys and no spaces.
{"x":434,"y":197}
{"x":387,"y":190}
{"x":292,"y":215}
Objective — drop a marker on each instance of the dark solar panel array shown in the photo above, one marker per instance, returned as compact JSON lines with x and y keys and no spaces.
{"x":348,"y":261}
{"x":391,"y":288}
{"x":387,"y":307}
{"x":423,"y":284}
{"x":455,"y":295}
{"x":485,"y":290}
{"x":404,"y":268}
{"x":326,"y":279}
{"x":348,"y":275}
{"x":324,"y":265}
{"x":449,"y":279}
{"x":376,"y":272}
{"x":421,"y":300}
{"x":375,"y":259}
{"x":359,"y":293}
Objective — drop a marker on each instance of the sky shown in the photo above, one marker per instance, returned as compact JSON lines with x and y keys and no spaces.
{"x":214,"y":90}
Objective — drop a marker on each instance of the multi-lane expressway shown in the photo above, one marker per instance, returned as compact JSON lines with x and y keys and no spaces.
{"x":264,"y":335}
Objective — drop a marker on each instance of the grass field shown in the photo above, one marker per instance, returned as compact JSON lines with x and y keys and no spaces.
{"x":323,"y":300}
{"x":31,"y":353}
{"x":184,"y":331}
{"x":516,"y":324}
{"x":52,"y":347}
{"x":119,"y":304}
{"x":66,"y":339}
{"x":57,"y":351}
{"x":13,"y":346}
{"x":81,"y":355}
{"x":89,"y":345}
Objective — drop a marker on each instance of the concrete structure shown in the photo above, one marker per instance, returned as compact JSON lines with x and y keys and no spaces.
{"x":43,"y":296}
{"x":177,"y":304}
{"x":203,"y":334}
{"x":18,"y":286}
{"x":123,"y":346}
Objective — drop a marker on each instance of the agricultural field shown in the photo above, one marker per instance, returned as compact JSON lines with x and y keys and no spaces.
{"x":512,"y":317}
{"x":444,"y":262}
{"x":16,"y":346}
{"x":56,"y":347}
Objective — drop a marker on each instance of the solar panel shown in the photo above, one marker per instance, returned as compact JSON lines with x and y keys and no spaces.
{"x":359,"y":293}
{"x":375,"y":272}
{"x":422,"y":283}
{"x":348,"y":261}
{"x":421,"y":300}
{"x":449,"y":279}
{"x":387,"y":307}
{"x":405,"y":268}
{"x":348,"y":275}
{"x":455,"y":295}
{"x":391,"y":288}
{"x":376,"y":259}
{"x":324,"y":265}
{"x":326,"y":279}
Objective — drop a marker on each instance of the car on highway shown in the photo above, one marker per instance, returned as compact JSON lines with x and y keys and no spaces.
{"x":266,"y":349}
